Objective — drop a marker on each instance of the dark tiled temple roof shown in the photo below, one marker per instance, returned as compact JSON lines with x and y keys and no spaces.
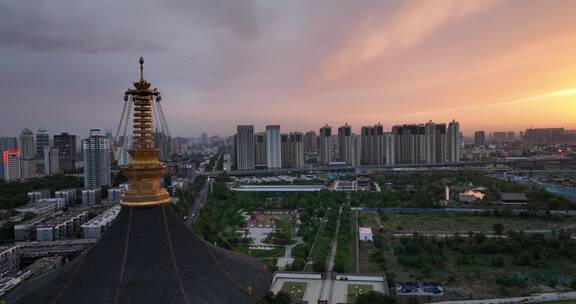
{"x":150,"y":256}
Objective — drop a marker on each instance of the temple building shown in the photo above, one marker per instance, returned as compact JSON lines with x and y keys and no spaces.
{"x":149,"y":255}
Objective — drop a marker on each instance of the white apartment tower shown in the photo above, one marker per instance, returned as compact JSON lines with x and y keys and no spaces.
{"x":273,"y":147}
{"x":96,"y":149}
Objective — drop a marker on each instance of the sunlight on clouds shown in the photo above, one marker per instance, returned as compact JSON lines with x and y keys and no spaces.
{"x":379,"y":38}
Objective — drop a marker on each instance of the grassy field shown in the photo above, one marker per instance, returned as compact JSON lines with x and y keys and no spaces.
{"x":452,"y":222}
{"x":295,"y":290}
{"x":274,"y":253}
{"x":477,"y":276}
{"x":355,"y":290}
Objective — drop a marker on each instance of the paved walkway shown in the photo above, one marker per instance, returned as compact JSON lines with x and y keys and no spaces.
{"x":326,"y":291}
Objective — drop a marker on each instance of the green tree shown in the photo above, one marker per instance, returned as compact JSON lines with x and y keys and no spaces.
{"x":374,"y":297}
{"x":498,"y":228}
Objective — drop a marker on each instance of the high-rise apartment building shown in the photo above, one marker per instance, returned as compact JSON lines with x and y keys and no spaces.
{"x":425,"y":143}
{"x":297,"y":150}
{"x":345,"y":144}
{"x":544,"y":136}
{"x":355,"y":152}
{"x":204,"y":139}
{"x":27,"y":145}
{"x":286,"y":150}
{"x":96,"y":150}
{"x":325,"y":147}
{"x":66,"y":145}
{"x":310,"y":142}
{"x":163,"y":143}
{"x":27,"y":154}
{"x":260,"y":150}
{"x":245,"y":156}
{"x":453,"y":141}
{"x":367,"y":138}
{"x":51,"y":162}
{"x":479,"y":138}
{"x":11,"y":164}
{"x":8,"y":143}
{"x":273,"y":147}
{"x":42,"y":141}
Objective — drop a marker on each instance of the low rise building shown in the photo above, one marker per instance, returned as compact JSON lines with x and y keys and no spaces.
{"x":91,"y":197}
{"x":115,"y":194}
{"x":61,"y":227}
{"x":36,"y":195}
{"x":513,"y":198}
{"x":470,"y":196}
{"x":9,"y":258}
{"x":43,"y":206}
{"x":69,"y":195}
{"x":365,"y":234}
{"x":96,"y":227}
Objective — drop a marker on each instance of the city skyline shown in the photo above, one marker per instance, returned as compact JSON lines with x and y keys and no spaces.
{"x":479,"y":62}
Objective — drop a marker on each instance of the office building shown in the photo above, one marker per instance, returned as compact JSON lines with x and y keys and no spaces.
{"x":66,"y":145}
{"x":480,"y":138}
{"x":42,"y":141}
{"x":325,"y":145}
{"x":260,"y":150}
{"x":453,"y":142}
{"x":245,"y":156}
{"x":96,"y":150}
{"x":544,"y":136}
{"x":11,"y":164}
{"x":273,"y":147}
{"x":115,"y":194}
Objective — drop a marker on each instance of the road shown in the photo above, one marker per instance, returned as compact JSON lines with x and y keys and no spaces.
{"x":198,"y":204}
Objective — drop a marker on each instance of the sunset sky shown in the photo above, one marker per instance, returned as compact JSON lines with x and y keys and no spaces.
{"x":492,"y":65}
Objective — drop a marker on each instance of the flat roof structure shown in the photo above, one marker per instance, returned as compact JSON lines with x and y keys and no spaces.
{"x":278,"y":188}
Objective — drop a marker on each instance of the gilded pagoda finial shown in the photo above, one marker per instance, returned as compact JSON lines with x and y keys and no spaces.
{"x":141,"y":68}
{"x":144,"y":170}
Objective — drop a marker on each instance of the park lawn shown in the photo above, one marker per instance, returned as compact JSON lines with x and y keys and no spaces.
{"x":354,"y":290}
{"x":453,"y":222}
{"x":273,"y":253}
{"x":264,"y":219}
{"x":295,"y":290}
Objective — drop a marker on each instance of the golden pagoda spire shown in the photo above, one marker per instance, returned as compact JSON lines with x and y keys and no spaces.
{"x":144,"y":170}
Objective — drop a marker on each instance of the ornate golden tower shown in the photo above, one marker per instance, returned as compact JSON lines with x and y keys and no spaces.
{"x":144,"y":170}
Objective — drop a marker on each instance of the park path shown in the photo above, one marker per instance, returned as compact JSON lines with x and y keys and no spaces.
{"x":326,"y":291}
